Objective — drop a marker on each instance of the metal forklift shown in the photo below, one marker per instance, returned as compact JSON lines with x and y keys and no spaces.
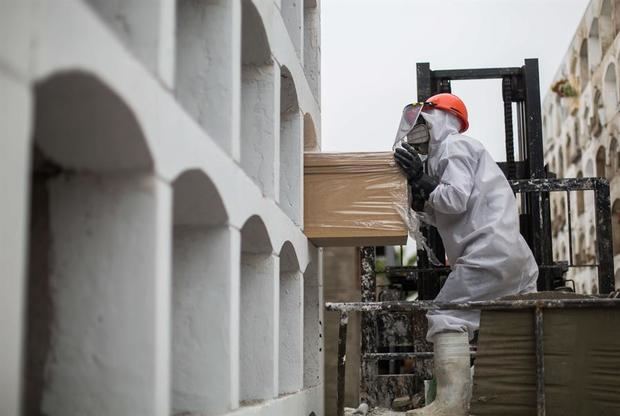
{"x":393,"y":329}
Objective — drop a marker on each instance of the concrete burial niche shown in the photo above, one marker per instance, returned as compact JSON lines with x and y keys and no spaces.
{"x":146,"y":28}
{"x":207,"y":66}
{"x":205,"y":288}
{"x":260,"y":102}
{"x":259,"y":316}
{"x":98,"y":258}
{"x":291,"y":350}
{"x":313,"y":321}
{"x":291,"y":132}
{"x":293,"y":15}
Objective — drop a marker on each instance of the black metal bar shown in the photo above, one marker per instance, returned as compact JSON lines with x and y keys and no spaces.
{"x":368,"y":283}
{"x":556,"y":185}
{"x":508,"y":128}
{"x":423,"y":70}
{"x":474,"y":74}
{"x":404,"y":306}
{"x":385,"y":356}
{"x":547,"y":246}
{"x":540,"y":362}
{"x":342,"y":360}
{"x":533,"y":121}
{"x":570,"y":229}
{"x":604,"y":239}
{"x":402,"y":355}
{"x":411,"y":272}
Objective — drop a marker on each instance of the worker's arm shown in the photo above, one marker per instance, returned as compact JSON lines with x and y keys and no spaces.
{"x":456,"y":170}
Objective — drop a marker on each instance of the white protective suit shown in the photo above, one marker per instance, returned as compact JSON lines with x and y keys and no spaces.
{"x":475,"y":212}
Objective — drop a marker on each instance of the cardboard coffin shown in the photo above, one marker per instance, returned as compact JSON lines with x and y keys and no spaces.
{"x":581,"y":362}
{"x":354,"y":199}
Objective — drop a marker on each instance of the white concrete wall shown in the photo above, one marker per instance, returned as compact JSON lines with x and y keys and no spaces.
{"x":141,"y":287}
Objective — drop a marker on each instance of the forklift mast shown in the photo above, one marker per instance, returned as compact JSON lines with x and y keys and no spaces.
{"x":520,"y":85}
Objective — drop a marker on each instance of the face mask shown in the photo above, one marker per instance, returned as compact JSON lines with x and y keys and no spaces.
{"x":419,"y":138}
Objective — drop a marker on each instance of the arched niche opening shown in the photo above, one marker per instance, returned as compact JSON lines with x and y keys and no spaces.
{"x":577,"y":133}
{"x":606,"y":25}
{"x":584,"y":68}
{"x":98,"y":257}
{"x":601,"y":162}
{"x":291,"y":351}
{"x":599,"y":116}
{"x":594,"y":46}
{"x":614,"y":156}
{"x":204,"y":266}
{"x":260,"y":95}
{"x":616,"y":16}
{"x":207,"y":72}
{"x":258,"y":360}
{"x":610,"y":91}
{"x":291,"y":153}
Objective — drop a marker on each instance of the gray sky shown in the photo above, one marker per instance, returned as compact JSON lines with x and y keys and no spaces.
{"x":370,"y":47}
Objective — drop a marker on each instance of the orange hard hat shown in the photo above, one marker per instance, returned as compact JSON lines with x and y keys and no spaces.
{"x":452,"y":104}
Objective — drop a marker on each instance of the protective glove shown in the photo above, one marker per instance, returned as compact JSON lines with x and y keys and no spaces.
{"x":422,"y":185}
{"x":417,"y":198}
{"x":409,"y":161}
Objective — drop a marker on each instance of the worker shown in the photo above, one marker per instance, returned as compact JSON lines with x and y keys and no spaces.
{"x":459,"y":189}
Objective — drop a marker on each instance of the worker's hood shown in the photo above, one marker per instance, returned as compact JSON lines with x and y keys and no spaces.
{"x":442,"y":124}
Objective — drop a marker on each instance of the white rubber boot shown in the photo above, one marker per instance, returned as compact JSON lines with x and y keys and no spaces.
{"x":453,"y":375}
